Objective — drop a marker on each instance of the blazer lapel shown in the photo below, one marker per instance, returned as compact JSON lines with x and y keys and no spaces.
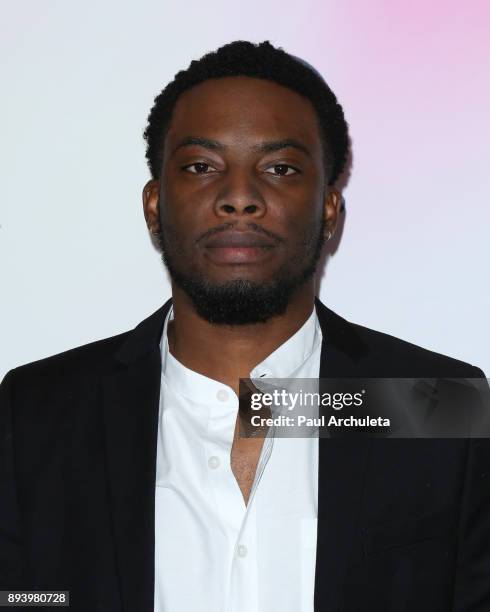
{"x":342,"y":466}
{"x":130,"y":413}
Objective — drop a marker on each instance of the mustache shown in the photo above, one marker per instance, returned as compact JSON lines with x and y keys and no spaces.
{"x":249,"y":226}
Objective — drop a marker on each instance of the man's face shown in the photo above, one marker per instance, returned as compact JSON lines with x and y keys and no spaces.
{"x":242,"y":202}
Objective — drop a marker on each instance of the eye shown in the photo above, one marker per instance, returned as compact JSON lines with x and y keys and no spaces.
{"x":283,"y":170}
{"x":200,"y":168}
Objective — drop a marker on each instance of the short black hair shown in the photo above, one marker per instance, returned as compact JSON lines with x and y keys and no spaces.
{"x":263,"y":61}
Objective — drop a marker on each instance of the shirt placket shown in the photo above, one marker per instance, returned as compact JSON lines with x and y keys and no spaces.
{"x":244,"y":570}
{"x":228,"y":500}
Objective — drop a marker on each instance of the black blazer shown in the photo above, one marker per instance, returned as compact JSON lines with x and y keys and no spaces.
{"x":403,"y":525}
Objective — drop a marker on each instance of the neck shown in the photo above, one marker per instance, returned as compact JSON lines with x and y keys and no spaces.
{"x":229,"y":352}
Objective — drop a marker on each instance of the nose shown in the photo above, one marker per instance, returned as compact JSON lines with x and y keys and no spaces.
{"x":240,"y":196}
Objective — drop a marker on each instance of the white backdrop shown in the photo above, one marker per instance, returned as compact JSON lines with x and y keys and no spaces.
{"x":78,"y":82}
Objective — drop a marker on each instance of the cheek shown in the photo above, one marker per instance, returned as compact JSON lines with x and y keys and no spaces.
{"x":299,"y":206}
{"x":300,"y":224}
{"x":183,"y":205}
{"x":178,"y":216}
{"x":304,"y":237}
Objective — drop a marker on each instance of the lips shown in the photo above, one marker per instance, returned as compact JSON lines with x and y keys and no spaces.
{"x":238,"y":239}
{"x":235,"y":247}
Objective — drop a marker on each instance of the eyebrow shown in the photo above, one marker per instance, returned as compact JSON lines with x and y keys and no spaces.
{"x":263,"y":147}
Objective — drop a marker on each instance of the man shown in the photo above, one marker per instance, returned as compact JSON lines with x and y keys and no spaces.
{"x":124,"y":478}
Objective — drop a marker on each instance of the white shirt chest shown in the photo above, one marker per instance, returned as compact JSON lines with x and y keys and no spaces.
{"x":213,"y":553}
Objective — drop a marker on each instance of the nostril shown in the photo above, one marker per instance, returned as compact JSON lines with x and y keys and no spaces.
{"x":230,"y":208}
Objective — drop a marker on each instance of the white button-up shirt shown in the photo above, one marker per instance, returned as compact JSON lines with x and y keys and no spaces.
{"x":213,"y":553}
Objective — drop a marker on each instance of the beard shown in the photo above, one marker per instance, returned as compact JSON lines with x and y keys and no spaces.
{"x":241,"y":301}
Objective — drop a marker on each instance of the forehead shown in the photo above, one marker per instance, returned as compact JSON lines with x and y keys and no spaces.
{"x":244,"y":108}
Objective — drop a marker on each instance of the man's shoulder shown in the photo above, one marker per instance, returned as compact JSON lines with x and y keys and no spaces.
{"x":382,"y":354}
{"x":86,"y":361}
{"x":406,"y":356}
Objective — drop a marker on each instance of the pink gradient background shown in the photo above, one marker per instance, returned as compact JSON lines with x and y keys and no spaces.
{"x":413,"y":78}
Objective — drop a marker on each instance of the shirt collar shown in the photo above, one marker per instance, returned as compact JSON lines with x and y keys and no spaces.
{"x":291,"y":355}
{"x":281,"y":363}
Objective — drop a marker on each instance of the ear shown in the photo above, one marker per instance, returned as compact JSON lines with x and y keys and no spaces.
{"x":332,"y":207}
{"x":150,"y":205}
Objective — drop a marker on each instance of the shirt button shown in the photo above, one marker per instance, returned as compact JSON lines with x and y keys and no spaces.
{"x":214,"y":462}
{"x":242,"y":550}
{"x":222,"y":395}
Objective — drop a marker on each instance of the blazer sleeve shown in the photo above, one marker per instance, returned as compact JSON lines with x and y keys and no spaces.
{"x":472,"y":581}
{"x":11,"y":549}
